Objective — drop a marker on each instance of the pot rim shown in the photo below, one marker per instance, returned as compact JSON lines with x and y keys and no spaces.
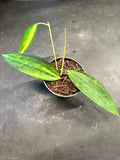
{"x":64,"y":96}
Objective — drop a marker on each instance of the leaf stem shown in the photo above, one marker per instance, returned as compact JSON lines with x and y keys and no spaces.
{"x":52,"y":45}
{"x":48,"y":24}
{"x":63,"y":54}
{"x":43,"y":23}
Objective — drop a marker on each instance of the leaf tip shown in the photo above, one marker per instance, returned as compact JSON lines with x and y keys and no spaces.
{"x":4,"y":55}
{"x":118,"y":115}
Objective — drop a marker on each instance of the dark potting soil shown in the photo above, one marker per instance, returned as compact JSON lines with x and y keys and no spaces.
{"x":64,"y":86}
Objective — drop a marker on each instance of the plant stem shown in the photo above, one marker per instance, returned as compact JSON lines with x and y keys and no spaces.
{"x":47,"y":24}
{"x":63,"y":54}
{"x":43,"y":23}
{"x":52,"y":45}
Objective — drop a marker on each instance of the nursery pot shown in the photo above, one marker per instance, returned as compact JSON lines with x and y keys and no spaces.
{"x":68,"y":62}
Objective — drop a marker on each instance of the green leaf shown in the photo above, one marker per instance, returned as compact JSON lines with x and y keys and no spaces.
{"x":33,"y":66}
{"x":93,"y":89}
{"x":28,"y":38}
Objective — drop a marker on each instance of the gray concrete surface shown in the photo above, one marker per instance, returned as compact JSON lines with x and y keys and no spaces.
{"x":60,"y":129}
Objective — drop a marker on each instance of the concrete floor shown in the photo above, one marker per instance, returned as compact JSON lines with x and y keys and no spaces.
{"x":32,"y":128}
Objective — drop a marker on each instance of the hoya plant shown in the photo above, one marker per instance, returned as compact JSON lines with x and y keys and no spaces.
{"x":40,"y":68}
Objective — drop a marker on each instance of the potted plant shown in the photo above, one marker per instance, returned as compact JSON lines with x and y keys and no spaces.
{"x":63,"y":76}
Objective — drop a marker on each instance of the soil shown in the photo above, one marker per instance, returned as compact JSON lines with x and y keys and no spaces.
{"x":64,"y":86}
